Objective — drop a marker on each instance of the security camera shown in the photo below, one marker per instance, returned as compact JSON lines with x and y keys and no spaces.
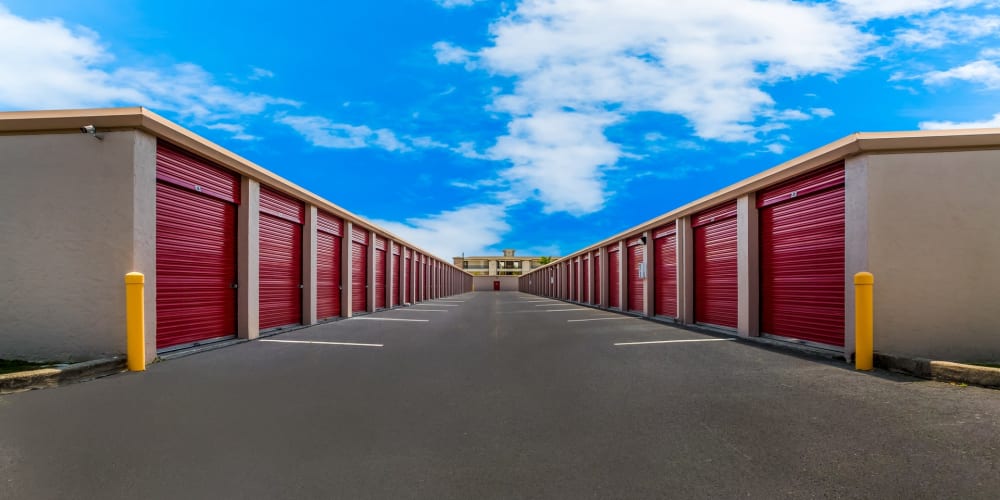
{"x":92,"y":130}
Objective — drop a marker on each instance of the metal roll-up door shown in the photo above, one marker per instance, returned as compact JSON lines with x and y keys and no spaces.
{"x":614,"y":277}
{"x":585,"y":281}
{"x":281,"y":220}
{"x":380,"y":276}
{"x":597,"y":277}
{"x":634,"y":262}
{"x":574,"y":279}
{"x":196,"y":207}
{"x":329,"y":234}
{"x":802,"y":249}
{"x":396,"y":296}
{"x":408,"y":262}
{"x":665,"y":258}
{"x":425,"y":277}
{"x":359,"y":270}
{"x":715,"y":287}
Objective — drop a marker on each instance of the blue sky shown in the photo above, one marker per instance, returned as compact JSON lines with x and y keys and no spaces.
{"x":541,"y":125}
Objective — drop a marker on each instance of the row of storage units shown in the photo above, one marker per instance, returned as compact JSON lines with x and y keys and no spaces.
{"x":783,"y":244}
{"x":302,"y":262}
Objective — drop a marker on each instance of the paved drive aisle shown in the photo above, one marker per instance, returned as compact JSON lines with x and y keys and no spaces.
{"x":500,"y":395}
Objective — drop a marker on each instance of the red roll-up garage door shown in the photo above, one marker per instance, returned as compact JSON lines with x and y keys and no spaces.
{"x":380,"y":249}
{"x":636,"y":301}
{"x":574,"y":279}
{"x":408,"y":262}
{"x":614,"y":277}
{"x":802,"y":258}
{"x":585,"y":280}
{"x":359,"y":270}
{"x":715,"y":286}
{"x":596,"y":257}
{"x":195,"y":249}
{"x":281,"y":220}
{"x":329,"y":234}
{"x":665,"y":257}
{"x":396,"y":278}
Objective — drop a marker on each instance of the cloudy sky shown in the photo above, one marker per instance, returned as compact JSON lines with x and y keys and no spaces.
{"x":541,"y":125}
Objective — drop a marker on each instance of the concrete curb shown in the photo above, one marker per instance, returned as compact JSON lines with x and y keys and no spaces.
{"x":945,"y":371}
{"x":52,"y":377}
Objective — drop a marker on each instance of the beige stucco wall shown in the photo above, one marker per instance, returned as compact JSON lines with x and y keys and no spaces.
{"x":77,"y":215}
{"x":485,"y":283}
{"x":934,"y":248}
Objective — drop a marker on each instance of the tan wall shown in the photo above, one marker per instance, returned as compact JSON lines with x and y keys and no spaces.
{"x":934,"y":248}
{"x":73,"y":224}
{"x":485,"y":283}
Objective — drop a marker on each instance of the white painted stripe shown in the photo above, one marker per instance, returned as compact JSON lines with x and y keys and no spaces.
{"x":367,"y":318}
{"x":323,"y":343}
{"x":560,"y":310}
{"x":454,"y":301}
{"x":435,"y":304}
{"x":672,"y":341}
{"x":598,"y":319}
{"x":411,"y":309}
{"x":552,"y":304}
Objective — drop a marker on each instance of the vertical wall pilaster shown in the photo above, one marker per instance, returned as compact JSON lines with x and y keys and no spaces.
{"x":649,"y":282}
{"x":309,"y":267}
{"x":346,"y":278}
{"x":370,"y":281}
{"x":603,"y":256}
{"x":623,"y":275}
{"x":856,"y":238}
{"x":248,"y":260}
{"x":747,"y":267}
{"x":685,"y":271}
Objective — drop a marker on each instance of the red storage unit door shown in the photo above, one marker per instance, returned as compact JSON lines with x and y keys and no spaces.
{"x":396,"y":278}
{"x":715,"y":285}
{"x":329,"y":234}
{"x":597,"y":277}
{"x":636,"y":301}
{"x":425,"y":277}
{"x":359,"y":270}
{"x":380,"y":276}
{"x":802,"y":258}
{"x":665,"y":257}
{"x":574,"y":280}
{"x":409,"y":278}
{"x":281,"y":220}
{"x":614,"y":277}
{"x":585,"y":281}
{"x":195,"y":249}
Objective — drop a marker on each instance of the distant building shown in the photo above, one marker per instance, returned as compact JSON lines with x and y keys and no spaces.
{"x":505,"y":265}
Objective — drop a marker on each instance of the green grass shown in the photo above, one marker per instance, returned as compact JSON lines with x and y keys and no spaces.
{"x":16,"y":365}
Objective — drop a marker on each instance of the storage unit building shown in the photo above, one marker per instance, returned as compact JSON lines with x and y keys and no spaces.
{"x":636,"y":282}
{"x":614,"y":277}
{"x":281,"y":220}
{"x":359,"y":270}
{"x":715,"y":297}
{"x":329,"y":240}
{"x":665,"y":260}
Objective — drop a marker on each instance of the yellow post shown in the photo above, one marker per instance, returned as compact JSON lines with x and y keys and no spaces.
{"x":135,"y":321}
{"x":863,"y":323}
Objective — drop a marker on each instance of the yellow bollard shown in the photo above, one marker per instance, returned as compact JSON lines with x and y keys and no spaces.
{"x":863,"y":322}
{"x":135,"y":321}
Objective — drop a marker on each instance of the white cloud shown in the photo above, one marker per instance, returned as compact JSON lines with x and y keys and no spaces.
{"x":261,"y":73}
{"x":579,"y":66}
{"x":238,"y":131}
{"x":47,"y":65}
{"x":448,"y":4}
{"x":985,"y":73}
{"x":472,"y":229}
{"x":776,"y":148}
{"x":322,"y":132}
{"x":822,"y":112}
{"x":947,"y":28}
{"x":886,"y":9}
{"x":946,"y":125}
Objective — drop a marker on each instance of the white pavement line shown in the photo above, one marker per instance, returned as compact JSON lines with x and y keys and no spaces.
{"x":458,"y":301}
{"x":560,"y":310}
{"x":324,"y":343}
{"x":673,"y":341}
{"x":426,"y":310}
{"x":597,"y":319}
{"x":437,"y":305}
{"x":390,"y":319}
{"x":551,"y":305}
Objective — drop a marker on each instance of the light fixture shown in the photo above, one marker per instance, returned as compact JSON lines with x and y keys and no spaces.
{"x":92,"y":130}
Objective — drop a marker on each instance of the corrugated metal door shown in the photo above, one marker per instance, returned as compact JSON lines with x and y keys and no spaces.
{"x":636,"y":301}
{"x":359,"y":270}
{"x":329,"y":234}
{"x":408,"y":262}
{"x":597,"y":277}
{"x":665,"y":251}
{"x":396,"y":278}
{"x":585,"y":281}
{"x":614,"y":277}
{"x":195,"y":249}
{"x":380,"y":249}
{"x":574,"y":280}
{"x":802,"y":258}
{"x":715,"y":286}
{"x":281,"y":220}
